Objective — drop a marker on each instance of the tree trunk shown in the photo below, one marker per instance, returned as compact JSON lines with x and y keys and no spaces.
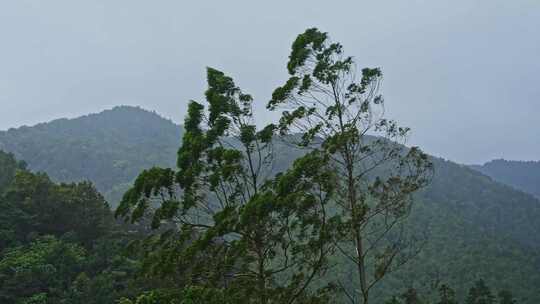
{"x":358,"y":242}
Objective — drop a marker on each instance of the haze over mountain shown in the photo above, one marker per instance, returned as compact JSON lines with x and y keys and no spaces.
{"x":477,"y":227}
{"x":522,"y":175}
{"x":453,"y":70}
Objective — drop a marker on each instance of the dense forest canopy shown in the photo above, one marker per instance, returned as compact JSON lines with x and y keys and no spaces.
{"x":59,"y":242}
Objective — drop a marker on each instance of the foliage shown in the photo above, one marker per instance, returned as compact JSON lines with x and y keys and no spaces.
{"x":446,"y":295}
{"x":334,"y":111}
{"x":40,"y":269}
{"x":480,"y":294}
{"x":36,"y":204}
{"x":59,"y":243}
{"x":474,"y":228}
{"x":267,"y":237}
{"x":506,"y":297}
{"x":9,"y":167}
{"x":189,"y":295}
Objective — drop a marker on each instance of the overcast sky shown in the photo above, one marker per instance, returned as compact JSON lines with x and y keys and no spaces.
{"x":463,"y":74}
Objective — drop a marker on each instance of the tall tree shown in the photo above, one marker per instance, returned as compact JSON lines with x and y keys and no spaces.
{"x":480,"y":294}
{"x":446,"y":295}
{"x":10,"y":215}
{"x":262,"y":238}
{"x":411,"y":296}
{"x":506,"y":297}
{"x":39,"y":206}
{"x":335,"y":111}
{"x":8,"y":168}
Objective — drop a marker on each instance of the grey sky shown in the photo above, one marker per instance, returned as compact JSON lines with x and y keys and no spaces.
{"x":463,"y":74}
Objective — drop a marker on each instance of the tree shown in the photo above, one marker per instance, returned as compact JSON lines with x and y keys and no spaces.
{"x":393,"y":300}
{"x":38,"y":206}
{"x":8,"y":168}
{"x":36,"y":267}
{"x":332,"y":111}
{"x":506,"y":297}
{"x":480,"y":294}
{"x":446,"y":295}
{"x":411,"y":296}
{"x":235,"y":224}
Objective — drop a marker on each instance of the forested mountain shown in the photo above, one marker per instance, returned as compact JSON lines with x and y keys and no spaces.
{"x":475,"y":226}
{"x":109,"y":148}
{"x":522,"y":175}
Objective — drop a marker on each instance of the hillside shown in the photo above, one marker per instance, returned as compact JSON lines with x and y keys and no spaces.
{"x":522,"y":175}
{"x":476,"y":227}
{"x":109,"y":148}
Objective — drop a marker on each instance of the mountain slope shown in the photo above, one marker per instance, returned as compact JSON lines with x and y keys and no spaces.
{"x":522,"y":175}
{"x":109,"y":148}
{"x":476,"y":227}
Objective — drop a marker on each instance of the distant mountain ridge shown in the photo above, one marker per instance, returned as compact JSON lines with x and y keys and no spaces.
{"x":108,"y":148}
{"x":477,"y":227}
{"x":522,"y":175}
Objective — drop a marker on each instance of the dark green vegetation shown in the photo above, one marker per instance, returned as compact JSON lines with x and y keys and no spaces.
{"x":60,"y":244}
{"x":522,"y":175}
{"x":65,"y":262}
{"x":476,"y":227}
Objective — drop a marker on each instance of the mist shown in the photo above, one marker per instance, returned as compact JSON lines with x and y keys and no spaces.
{"x":462,"y":74}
